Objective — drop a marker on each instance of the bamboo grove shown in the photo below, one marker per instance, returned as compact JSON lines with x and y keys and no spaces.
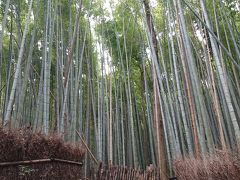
{"x":143,"y":81}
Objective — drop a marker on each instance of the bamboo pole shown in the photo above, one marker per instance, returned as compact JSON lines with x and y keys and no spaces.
{"x":24,"y":162}
{"x":86,"y":146}
{"x":39,"y":161}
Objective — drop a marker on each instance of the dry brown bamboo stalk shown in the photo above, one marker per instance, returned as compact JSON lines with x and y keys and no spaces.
{"x":89,"y":151}
{"x":24,"y":162}
{"x":15,"y":163}
{"x":66,"y":161}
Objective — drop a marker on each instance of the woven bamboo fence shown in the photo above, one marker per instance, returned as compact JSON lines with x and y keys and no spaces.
{"x":26,"y":155}
{"x":41,"y":169}
{"x":127,"y":173}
